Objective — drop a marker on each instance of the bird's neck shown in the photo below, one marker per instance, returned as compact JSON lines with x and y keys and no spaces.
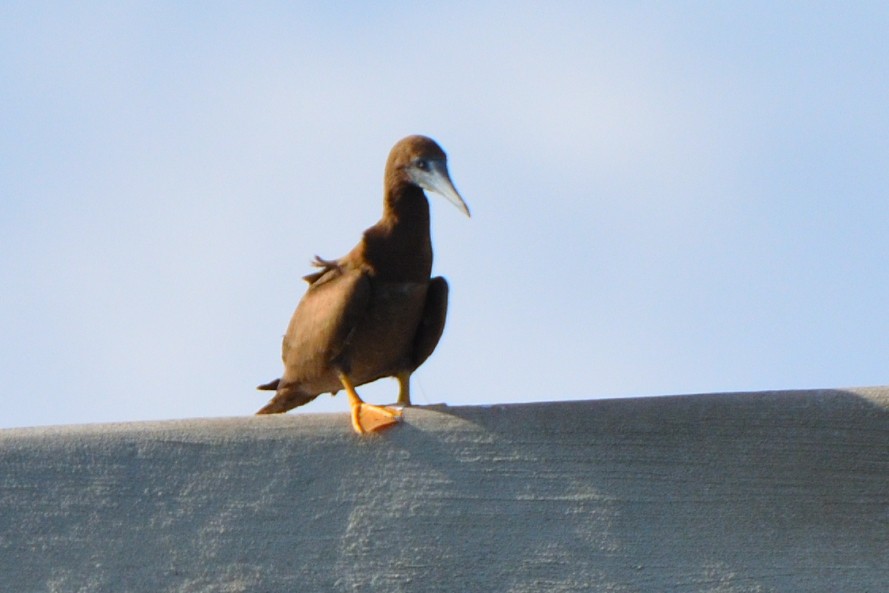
{"x":407,"y":205}
{"x":399,"y":247}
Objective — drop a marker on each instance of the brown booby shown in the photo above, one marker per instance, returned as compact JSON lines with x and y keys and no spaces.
{"x":375,"y":312}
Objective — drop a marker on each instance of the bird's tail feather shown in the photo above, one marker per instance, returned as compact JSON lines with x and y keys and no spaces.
{"x":288,"y":397}
{"x":270,"y":386}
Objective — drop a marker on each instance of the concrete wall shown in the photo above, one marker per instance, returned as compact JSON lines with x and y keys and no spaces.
{"x":720,"y":493}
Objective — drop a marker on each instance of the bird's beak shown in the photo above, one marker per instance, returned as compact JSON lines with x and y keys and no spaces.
{"x":437,"y":180}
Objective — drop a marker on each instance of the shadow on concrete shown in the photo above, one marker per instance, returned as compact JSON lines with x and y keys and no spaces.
{"x":722,"y":492}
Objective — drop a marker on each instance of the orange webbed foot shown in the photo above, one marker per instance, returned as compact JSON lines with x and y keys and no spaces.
{"x":367,"y":418}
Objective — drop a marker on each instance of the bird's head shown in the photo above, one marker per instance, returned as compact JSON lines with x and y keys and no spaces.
{"x":419,"y":161}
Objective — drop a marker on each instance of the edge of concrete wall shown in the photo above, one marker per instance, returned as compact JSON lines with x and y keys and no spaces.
{"x":771,"y":491}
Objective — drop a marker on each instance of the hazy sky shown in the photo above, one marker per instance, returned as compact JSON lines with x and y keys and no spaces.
{"x":666,"y":197}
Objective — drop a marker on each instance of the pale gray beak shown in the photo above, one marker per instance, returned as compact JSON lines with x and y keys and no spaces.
{"x":436,"y":179}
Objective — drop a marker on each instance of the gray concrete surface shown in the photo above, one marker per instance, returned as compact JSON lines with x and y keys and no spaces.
{"x":783,"y":491}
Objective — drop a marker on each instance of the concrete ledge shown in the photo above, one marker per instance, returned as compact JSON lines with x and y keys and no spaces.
{"x":774,"y":491}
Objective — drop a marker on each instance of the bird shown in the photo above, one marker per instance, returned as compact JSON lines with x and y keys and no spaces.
{"x":375,"y":312}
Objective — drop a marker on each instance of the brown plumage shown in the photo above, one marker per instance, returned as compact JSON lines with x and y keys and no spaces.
{"x":375,"y":312}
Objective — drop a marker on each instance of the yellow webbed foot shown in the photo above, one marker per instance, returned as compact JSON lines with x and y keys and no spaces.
{"x":370,"y":418}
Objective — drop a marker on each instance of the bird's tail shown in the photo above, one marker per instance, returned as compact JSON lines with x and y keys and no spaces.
{"x":288,"y":396}
{"x":270,"y":386}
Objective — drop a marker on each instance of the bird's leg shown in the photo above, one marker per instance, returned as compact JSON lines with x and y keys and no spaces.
{"x":367,"y":417}
{"x":404,"y":388}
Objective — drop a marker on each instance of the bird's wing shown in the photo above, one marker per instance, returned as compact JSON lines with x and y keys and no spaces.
{"x":432,"y":322}
{"x":324,"y":321}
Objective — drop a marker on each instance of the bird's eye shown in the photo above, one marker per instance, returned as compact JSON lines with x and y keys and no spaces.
{"x":422,"y":165}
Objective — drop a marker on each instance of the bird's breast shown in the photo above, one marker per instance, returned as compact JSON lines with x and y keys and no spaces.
{"x":382,"y":343}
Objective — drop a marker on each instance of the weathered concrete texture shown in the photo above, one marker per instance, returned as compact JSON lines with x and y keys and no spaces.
{"x":737,"y":492}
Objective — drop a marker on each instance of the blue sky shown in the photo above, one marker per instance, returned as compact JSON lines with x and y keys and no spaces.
{"x":666,"y":197}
